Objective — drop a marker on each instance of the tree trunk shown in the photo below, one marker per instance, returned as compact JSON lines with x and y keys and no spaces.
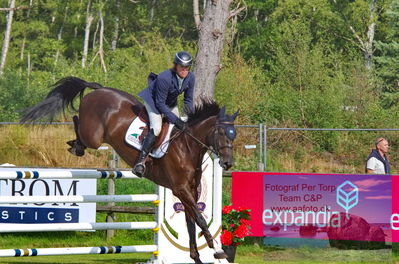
{"x":75,"y":30}
{"x":100,"y":51}
{"x":101,"y":44}
{"x":95,"y":35}
{"x":59,"y":36}
{"x":152,"y":10}
{"x":24,"y":39}
{"x":7,"y":35}
{"x":368,"y":44}
{"x":115,"y":36}
{"x":197,"y":18}
{"x":210,"y":48}
{"x":89,"y":20}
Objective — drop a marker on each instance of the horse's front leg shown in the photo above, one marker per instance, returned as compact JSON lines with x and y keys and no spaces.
{"x":219,"y":253}
{"x":193,"y":243}
{"x":190,"y":207}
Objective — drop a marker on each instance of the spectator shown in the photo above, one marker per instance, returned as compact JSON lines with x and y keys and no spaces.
{"x":378,"y":162}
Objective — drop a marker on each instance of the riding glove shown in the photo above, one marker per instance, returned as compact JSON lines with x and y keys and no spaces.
{"x":180,"y":124}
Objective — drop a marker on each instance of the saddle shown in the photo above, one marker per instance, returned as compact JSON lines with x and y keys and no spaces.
{"x":139,"y":128}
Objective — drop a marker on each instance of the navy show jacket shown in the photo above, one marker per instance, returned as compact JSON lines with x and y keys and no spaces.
{"x":163,"y":90}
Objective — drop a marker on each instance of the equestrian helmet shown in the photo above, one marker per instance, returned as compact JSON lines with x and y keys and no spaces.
{"x":183,"y":58}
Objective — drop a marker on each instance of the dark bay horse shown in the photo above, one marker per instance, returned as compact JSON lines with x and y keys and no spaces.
{"x":105,"y":115}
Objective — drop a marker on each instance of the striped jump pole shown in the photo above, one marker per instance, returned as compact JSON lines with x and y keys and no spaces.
{"x":32,"y":173}
{"x":80,"y":199}
{"x":169,"y":246}
{"x":12,"y":173}
{"x":77,"y":251}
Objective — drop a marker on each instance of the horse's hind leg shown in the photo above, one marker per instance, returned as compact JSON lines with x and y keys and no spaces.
{"x":77,"y":147}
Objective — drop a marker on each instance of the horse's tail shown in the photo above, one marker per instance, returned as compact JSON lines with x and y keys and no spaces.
{"x":59,"y":98}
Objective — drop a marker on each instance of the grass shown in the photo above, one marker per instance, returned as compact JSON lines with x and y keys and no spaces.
{"x":326,"y":255}
{"x":246,"y":254}
{"x":252,"y":253}
{"x":80,"y":259}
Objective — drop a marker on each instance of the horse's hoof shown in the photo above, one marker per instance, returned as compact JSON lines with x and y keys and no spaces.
{"x":76,"y":152}
{"x":79,"y":152}
{"x":139,"y":170}
{"x":220,"y":255}
{"x":71,"y":142}
{"x":72,"y":151}
{"x":198,"y":261}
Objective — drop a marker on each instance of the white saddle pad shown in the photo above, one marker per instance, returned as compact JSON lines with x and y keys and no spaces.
{"x":135,"y":130}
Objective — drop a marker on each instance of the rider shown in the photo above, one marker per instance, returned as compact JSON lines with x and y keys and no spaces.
{"x":160,"y":99}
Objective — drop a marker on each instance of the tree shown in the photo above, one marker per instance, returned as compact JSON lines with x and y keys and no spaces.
{"x":210,"y":45}
{"x":100,"y":51}
{"x":115,"y":36}
{"x":7,"y":35}
{"x":386,"y":59}
{"x":361,"y":17}
{"x":89,"y":20}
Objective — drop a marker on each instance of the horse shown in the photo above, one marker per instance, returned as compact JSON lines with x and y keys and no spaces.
{"x":104,"y":116}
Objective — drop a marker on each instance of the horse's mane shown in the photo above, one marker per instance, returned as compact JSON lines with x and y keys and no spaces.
{"x":203,"y":111}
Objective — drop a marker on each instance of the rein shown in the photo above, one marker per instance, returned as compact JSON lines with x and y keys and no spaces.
{"x":201,"y":143}
{"x":214,"y":149}
{"x":217,"y":148}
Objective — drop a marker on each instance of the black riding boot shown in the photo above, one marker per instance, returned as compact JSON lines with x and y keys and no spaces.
{"x":148,"y":142}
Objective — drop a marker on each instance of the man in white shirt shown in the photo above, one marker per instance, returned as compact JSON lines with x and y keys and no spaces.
{"x":377,"y":161}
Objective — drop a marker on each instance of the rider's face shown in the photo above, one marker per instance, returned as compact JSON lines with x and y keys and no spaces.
{"x":182,"y":71}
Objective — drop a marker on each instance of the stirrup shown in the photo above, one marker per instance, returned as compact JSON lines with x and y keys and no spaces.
{"x":139,"y":169}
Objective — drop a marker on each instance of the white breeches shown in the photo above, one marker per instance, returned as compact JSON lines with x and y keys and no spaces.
{"x":156,"y":119}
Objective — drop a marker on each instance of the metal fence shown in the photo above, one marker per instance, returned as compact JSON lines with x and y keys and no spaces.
{"x":265,"y":131}
{"x":44,"y":145}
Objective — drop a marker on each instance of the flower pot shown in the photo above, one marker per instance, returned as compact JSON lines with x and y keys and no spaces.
{"x":230,"y":252}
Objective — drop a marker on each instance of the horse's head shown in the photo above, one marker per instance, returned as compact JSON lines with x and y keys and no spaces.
{"x":223,"y":138}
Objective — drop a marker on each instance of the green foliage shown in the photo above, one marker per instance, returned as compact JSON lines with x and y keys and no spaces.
{"x":292,"y":63}
{"x":387,"y":62}
{"x":13,"y":96}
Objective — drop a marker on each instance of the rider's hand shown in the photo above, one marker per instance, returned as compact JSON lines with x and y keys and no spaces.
{"x":180,"y":124}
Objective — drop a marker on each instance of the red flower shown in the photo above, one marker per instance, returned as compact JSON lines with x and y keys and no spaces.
{"x":227,"y":209}
{"x":244,"y":221}
{"x":231,"y":225}
{"x":242,"y":209}
{"x":226,"y":238}
{"x":238,"y":243}
{"x":241,"y":231}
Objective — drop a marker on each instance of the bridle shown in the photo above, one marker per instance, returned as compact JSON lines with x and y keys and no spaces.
{"x":217,"y":134}
{"x":215,"y":148}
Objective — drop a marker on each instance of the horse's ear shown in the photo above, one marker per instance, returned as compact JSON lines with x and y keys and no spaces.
{"x":234,"y":116}
{"x":222,"y":112}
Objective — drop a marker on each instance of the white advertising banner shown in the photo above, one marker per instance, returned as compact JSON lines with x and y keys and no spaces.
{"x":39,"y":213}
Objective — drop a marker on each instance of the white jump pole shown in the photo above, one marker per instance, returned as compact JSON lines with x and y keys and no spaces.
{"x":79,"y":199}
{"x":11,"y":228}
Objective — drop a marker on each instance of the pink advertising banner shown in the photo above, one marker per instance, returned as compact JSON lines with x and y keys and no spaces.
{"x":320,"y":206}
